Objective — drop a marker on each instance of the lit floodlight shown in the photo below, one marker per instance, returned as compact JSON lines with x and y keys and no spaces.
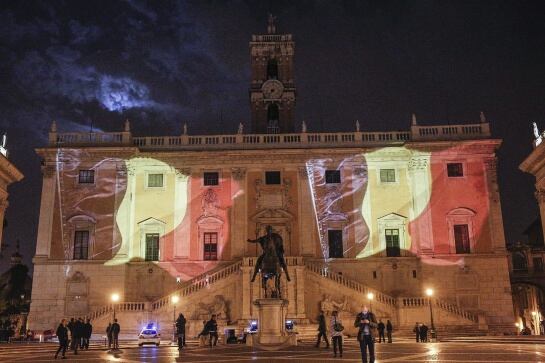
{"x":429,"y":292}
{"x":115,"y":297}
{"x":175,"y":299}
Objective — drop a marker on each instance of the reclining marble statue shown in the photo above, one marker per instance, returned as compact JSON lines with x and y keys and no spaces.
{"x":271,"y":262}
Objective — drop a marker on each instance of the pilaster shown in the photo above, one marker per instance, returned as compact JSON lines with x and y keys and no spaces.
{"x":238,"y":212}
{"x":495,"y":219}
{"x":47,"y":208}
{"x":419,"y":176}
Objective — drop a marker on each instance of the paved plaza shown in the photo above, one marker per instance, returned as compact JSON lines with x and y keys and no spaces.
{"x":397,"y":352}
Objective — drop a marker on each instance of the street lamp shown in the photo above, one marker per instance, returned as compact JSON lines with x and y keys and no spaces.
{"x":115,"y":299}
{"x":174,"y":299}
{"x":370,"y":297}
{"x":429,"y":293}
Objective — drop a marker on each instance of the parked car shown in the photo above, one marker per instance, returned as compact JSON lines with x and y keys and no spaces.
{"x":149,"y":335}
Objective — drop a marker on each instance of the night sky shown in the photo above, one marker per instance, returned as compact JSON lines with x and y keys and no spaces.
{"x":95,"y":63}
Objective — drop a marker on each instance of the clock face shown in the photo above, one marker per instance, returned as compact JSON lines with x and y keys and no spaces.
{"x":272,"y":89}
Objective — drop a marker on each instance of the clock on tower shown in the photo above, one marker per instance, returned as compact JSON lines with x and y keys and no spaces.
{"x":272,"y":90}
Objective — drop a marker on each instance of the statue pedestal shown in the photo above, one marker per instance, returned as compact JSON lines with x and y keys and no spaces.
{"x":271,"y":329}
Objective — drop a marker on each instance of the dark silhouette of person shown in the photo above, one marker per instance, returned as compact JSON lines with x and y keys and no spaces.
{"x":87,"y":332}
{"x":72,"y":328}
{"x":423,"y":333}
{"x":116,"y":328}
{"x":322,"y":330}
{"x":211,"y":328}
{"x":180,"y":330}
{"x":62,"y":335}
{"x":381,"y":328}
{"x":279,"y":247}
{"x":109,"y":335}
{"x":389,"y":329}
{"x":366,"y":322}
{"x":416,"y":331}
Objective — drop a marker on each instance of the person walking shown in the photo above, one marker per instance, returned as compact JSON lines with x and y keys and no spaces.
{"x":389,"y":329}
{"x":109,"y":335}
{"x":366,"y":322}
{"x":337,"y":334}
{"x":416,"y":331}
{"x":62,"y":335}
{"x":322,"y":330}
{"x":116,"y":328}
{"x":72,"y":329}
{"x":180,"y":330}
{"x":381,"y":328}
{"x":423,"y":333}
{"x":87,"y":332}
{"x":211,"y":327}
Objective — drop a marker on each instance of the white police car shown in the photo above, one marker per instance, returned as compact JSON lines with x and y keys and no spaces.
{"x":149,"y":335}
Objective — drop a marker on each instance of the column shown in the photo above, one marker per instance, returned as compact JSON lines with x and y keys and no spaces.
{"x":307,"y":218}
{"x":495,"y":219}
{"x":239,"y":218}
{"x":3,"y":206}
{"x":182,"y":232}
{"x":47,"y":207}
{"x":420,"y":214}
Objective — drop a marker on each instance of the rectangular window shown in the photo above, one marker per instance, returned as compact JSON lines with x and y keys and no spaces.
{"x":538,"y":264}
{"x":335,"y":237}
{"x":455,"y":170}
{"x":392,"y":242}
{"x":86,"y":177}
{"x":333,"y":176}
{"x":272,"y":177}
{"x":387,"y":175}
{"x":210,"y":246}
{"x":461,"y":238}
{"x":81,"y":245}
{"x":152,"y":247}
{"x":414,"y":274}
{"x":374,"y":274}
{"x":155,"y":180}
{"x":211,"y":178}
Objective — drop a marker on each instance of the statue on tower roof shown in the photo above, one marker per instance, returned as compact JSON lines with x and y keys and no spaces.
{"x":271,"y":28}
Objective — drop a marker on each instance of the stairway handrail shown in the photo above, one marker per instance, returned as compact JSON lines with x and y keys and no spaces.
{"x":418,"y":301}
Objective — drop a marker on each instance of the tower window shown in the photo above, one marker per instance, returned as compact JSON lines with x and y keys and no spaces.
{"x":211,"y":178}
{"x":333,"y":176}
{"x":272,"y":69}
{"x":81,"y":245}
{"x":152,"y":247}
{"x":272,"y":119}
{"x":210,"y":246}
{"x":86,"y":176}
{"x":272,"y":177}
{"x":455,"y":170}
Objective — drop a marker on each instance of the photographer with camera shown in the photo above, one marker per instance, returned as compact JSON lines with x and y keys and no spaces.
{"x":366,"y":322}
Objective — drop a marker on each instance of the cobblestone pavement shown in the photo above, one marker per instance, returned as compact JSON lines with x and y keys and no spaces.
{"x":396,"y":352}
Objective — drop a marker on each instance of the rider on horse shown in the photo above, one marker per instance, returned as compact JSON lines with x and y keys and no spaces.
{"x":279,"y":247}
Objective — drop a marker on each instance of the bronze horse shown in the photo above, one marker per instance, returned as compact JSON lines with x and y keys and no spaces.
{"x":270,"y":268}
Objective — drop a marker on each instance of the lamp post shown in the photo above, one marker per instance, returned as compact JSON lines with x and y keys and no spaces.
{"x":115,"y":299}
{"x":429,"y":293}
{"x":174,"y":299}
{"x":370,"y":297}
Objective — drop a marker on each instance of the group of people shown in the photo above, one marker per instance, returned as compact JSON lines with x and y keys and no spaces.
{"x":210,"y":330}
{"x":112,"y":333}
{"x":365,"y":322}
{"x":75,"y":333}
{"x":421,"y":332}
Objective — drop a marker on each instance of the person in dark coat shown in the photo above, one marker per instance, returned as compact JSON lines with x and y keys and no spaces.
{"x":322,"y":330}
{"x":416,"y":331}
{"x":116,"y":328}
{"x":423,"y":333}
{"x":389,"y":330}
{"x":381,"y":328}
{"x":87,"y":331}
{"x":366,"y":323}
{"x":211,"y":328}
{"x":180,"y":330}
{"x":72,"y":329}
{"x":62,"y":334}
{"x":109,"y":335}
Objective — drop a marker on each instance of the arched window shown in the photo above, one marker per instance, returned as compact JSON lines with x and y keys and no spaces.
{"x":519,"y":262}
{"x":272,"y":119}
{"x":272,"y":69}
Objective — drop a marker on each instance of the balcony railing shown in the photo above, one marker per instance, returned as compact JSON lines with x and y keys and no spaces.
{"x":272,"y":141}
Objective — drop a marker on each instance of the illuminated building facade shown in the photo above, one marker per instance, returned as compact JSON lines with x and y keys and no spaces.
{"x":8,"y":174}
{"x":388,"y":213}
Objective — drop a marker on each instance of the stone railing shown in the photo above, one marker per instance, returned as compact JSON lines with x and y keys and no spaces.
{"x":119,"y":307}
{"x":418,"y":302}
{"x":270,"y":141}
{"x":290,"y":261}
{"x":198,"y":283}
{"x":326,"y":272}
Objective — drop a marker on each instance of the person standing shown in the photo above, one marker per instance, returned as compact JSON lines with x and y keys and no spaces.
{"x":72,"y":329}
{"x":423,"y":333}
{"x":337,"y":334}
{"x":416,"y":331}
{"x":116,"y":328}
{"x":180,"y":330}
{"x":322,"y":331}
{"x":87,"y":332}
{"x":366,"y":322}
{"x":381,"y":328}
{"x":109,"y":335}
{"x":211,"y":327}
{"x":389,"y":329}
{"x":62,"y":335}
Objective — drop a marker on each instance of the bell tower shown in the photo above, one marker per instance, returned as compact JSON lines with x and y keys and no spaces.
{"x":272,"y":90}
